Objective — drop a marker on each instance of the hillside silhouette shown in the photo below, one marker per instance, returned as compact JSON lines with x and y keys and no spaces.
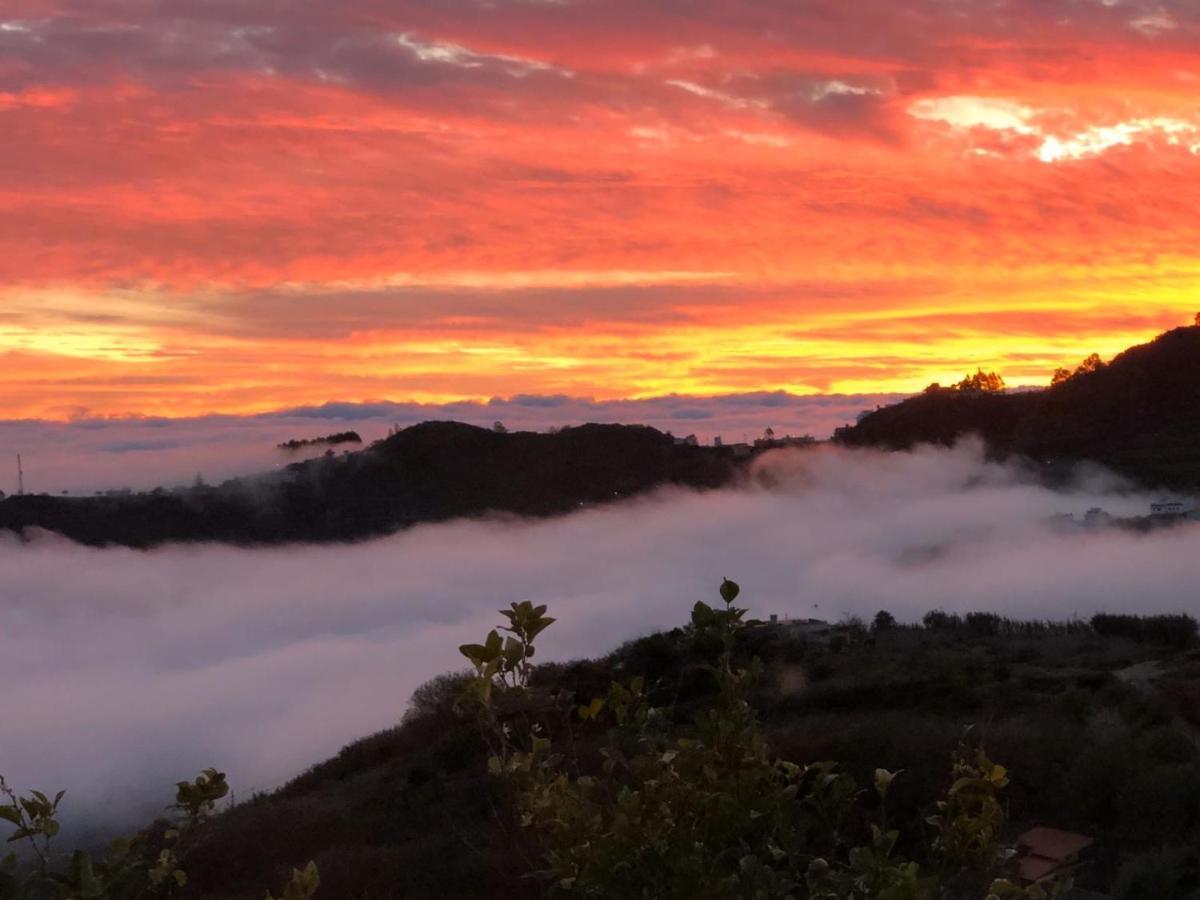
{"x":1139,"y":415}
{"x":426,"y":473}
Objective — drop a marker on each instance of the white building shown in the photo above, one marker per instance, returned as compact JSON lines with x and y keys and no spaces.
{"x":1168,"y":507}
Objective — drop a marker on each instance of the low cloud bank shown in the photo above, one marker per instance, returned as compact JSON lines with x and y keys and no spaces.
{"x":87,"y":455}
{"x":124,"y":670}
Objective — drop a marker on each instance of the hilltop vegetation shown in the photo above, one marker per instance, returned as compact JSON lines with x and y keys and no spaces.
{"x":340,"y":437}
{"x":1139,"y":415}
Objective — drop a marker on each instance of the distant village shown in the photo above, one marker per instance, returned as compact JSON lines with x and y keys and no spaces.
{"x":1165,"y":511}
{"x":743,"y":449}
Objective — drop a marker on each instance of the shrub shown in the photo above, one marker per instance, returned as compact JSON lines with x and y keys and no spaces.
{"x":883,"y":621}
{"x":149,"y":866}
{"x":983,"y":623}
{"x":702,"y":808}
{"x":938,"y":620}
{"x":1169,"y":745}
{"x":436,"y":696}
{"x":1171,"y":630}
{"x":1169,"y":874}
{"x":1158,"y":804}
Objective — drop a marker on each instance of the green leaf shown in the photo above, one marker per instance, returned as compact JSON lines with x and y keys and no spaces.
{"x":472,"y":652}
{"x":729,"y":590}
{"x":592,"y":709}
{"x":703,"y":615}
{"x":512,"y":651}
{"x":883,"y":780}
{"x":10,"y":814}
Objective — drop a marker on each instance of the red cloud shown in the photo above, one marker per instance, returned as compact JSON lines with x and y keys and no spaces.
{"x":446,"y":199}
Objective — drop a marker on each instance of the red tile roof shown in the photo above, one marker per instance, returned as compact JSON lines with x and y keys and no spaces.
{"x":1047,"y":851}
{"x":1050,"y":843}
{"x":1035,"y":868}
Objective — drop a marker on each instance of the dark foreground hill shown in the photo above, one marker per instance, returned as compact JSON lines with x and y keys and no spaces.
{"x":725,"y":760}
{"x":429,"y":472}
{"x":1092,"y":723}
{"x":1139,"y":415}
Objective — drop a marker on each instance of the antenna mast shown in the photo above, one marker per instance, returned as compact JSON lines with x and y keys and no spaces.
{"x":20,"y":478}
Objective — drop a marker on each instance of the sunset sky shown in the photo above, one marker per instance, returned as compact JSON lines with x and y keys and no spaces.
{"x":245,"y":205}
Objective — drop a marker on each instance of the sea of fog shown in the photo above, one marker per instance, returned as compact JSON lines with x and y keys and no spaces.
{"x":122,"y":671}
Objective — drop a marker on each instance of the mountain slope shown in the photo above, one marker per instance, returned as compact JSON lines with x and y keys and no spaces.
{"x":429,"y":472}
{"x":1139,"y":415}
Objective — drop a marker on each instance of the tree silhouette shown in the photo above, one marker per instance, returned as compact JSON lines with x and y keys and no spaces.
{"x":1092,"y":364}
{"x":981,"y":383}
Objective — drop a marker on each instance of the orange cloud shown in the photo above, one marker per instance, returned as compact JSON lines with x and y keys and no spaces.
{"x":226,"y":209}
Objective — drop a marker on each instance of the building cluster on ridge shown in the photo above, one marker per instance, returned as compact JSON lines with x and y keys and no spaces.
{"x":1162,"y":511}
{"x":744,"y":448}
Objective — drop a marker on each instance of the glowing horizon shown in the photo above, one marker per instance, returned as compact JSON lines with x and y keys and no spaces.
{"x":220,"y":208}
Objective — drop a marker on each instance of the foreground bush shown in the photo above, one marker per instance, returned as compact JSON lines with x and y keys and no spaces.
{"x":145,"y":867}
{"x":702,"y":809}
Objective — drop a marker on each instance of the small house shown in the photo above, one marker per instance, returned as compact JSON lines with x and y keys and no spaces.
{"x":1044,"y":853}
{"x":1172,"y":508}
